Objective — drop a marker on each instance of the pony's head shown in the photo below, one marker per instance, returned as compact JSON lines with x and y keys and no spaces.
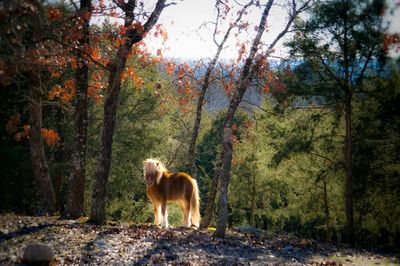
{"x":152,"y":171}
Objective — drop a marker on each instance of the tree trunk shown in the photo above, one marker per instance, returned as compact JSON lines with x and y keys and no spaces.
{"x":39,"y":163}
{"x":76,"y":184}
{"x":349,"y":226}
{"x":195,"y":132}
{"x":200,"y":102}
{"x":222,"y":218}
{"x":247,"y":74}
{"x":133,"y":35}
{"x":98,"y":210}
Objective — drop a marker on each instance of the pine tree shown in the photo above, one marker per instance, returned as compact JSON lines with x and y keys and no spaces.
{"x":340,"y":41}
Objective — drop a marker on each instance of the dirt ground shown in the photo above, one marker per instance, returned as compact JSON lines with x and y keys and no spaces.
{"x":77,"y":242}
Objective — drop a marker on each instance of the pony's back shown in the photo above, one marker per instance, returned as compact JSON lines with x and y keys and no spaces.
{"x":181,"y":181}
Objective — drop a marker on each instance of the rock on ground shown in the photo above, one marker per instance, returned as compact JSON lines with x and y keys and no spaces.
{"x":37,"y":252}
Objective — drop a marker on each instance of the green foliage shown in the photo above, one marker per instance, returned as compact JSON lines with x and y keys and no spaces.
{"x":376,"y":159}
{"x":276,"y":163}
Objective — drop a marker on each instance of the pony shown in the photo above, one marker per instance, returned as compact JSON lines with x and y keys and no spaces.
{"x":164,"y":186}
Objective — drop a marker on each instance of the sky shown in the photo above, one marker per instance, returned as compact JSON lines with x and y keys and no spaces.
{"x":187,"y":40}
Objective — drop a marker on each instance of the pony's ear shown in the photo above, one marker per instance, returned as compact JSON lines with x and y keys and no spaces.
{"x":144,"y":162}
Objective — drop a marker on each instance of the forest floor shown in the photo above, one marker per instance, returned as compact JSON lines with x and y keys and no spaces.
{"x":77,"y":242}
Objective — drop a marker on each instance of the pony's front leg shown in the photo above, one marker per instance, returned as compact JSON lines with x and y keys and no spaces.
{"x":164,"y":213}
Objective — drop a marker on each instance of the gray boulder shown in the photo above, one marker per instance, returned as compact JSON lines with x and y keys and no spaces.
{"x":37,"y":252}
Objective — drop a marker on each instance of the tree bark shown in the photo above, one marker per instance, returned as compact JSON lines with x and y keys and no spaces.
{"x":196,"y":128}
{"x":349,"y":226}
{"x":200,"y":102}
{"x":225,"y":174}
{"x":243,"y":83}
{"x":98,"y":210}
{"x":39,"y":163}
{"x":76,"y":183}
{"x":133,"y":35}
{"x":249,"y":70}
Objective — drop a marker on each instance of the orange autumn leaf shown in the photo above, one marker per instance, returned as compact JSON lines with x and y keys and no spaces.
{"x":69,"y":85}
{"x":94,"y":91}
{"x":247,"y":124}
{"x":160,"y":31}
{"x":269,"y":76}
{"x":53,"y":13}
{"x":183,"y":101}
{"x":170,"y":68}
{"x":50,"y":137}
{"x":19,"y":136}
{"x":139,"y":28}
{"x":55,"y":91}
{"x":228,"y":88}
{"x":95,"y":53}
{"x":73,"y":62}
{"x":69,"y":92}
{"x":24,"y":134}
{"x":235,"y":140}
{"x":155,"y":60}
{"x":119,"y":42}
{"x":129,"y":72}
{"x":391,"y":40}
{"x":96,"y":76}
{"x":184,"y":110}
{"x":66,"y":97}
{"x":139,"y":82}
{"x":54,"y":72}
{"x":66,"y":93}
{"x":26,"y":129}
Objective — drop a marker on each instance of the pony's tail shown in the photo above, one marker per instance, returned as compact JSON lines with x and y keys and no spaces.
{"x":195,"y":205}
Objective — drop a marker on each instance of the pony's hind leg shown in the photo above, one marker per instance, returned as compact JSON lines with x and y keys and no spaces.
{"x":186,"y":213}
{"x":164,"y":214}
{"x":157,"y":214}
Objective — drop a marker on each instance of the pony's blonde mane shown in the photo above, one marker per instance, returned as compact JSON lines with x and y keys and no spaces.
{"x":154,"y":166}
